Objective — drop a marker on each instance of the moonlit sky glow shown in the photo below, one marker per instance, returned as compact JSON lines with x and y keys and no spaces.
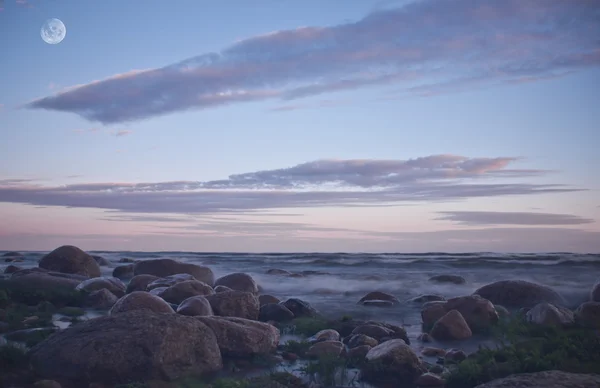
{"x":381,"y":126}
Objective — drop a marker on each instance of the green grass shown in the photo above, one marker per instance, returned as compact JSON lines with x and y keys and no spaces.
{"x":330,"y":371}
{"x":15,"y":314}
{"x":268,"y":380}
{"x":299,"y":348}
{"x":526,"y":348}
{"x":71,"y":311}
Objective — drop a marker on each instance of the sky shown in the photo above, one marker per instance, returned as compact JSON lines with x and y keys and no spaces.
{"x":288,"y":126}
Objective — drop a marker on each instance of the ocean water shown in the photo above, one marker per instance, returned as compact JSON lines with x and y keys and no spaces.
{"x":339,"y":280}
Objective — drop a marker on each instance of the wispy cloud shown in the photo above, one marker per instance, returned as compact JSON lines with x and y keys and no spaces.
{"x":512,"y":218}
{"x":335,"y":183}
{"x":426,"y":47}
{"x":122,"y":132}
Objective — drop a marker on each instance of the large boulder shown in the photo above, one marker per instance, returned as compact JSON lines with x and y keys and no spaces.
{"x":167,"y":267}
{"x":431,"y":312}
{"x":238,"y":337}
{"x":454,"y":279}
{"x":238,"y":281}
{"x":140,"y":283}
{"x":357,"y":340}
{"x":479,"y":313}
{"x":588,"y":315}
{"x":266,"y":299}
{"x":114,"y":285}
{"x":451,"y":327}
{"x":391,"y":362}
{"x":101,"y":299}
{"x":12,"y":269}
{"x":235,"y":304}
{"x":132,"y":346}
{"x":547,"y":379}
{"x":328,"y":348}
{"x":300,"y":308}
{"x":325,"y":335}
{"x":378,"y":296}
{"x":595,"y":294}
{"x":170,"y":280}
{"x":519,"y":293}
{"x":195,"y":306}
{"x":101,"y":260}
{"x":550,"y":315}
{"x":274,"y":312}
{"x":70,"y":259}
{"x":39,"y":280}
{"x":179,"y":292}
{"x":381,"y":331}
{"x":124,"y":271}
{"x":140,"y":300}
{"x":427,"y":298}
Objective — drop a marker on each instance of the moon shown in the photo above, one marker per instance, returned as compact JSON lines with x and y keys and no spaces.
{"x":53,"y":31}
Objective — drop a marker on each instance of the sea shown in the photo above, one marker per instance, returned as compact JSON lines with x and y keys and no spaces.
{"x":334,"y":282}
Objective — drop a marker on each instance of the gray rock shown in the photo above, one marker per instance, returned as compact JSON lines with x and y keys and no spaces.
{"x":195,"y":306}
{"x":124,"y":272}
{"x":140,"y":283}
{"x":114,"y":285}
{"x":222,"y":289}
{"x":72,"y":260}
{"x":179,"y":292}
{"x":550,"y":315}
{"x":454,"y":279}
{"x":275,"y":312}
{"x":101,"y":299}
{"x":169,"y":281}
{"x":102,"y":262}
{"x":168,"y":267}
{"x":390,"y":362}
{"x":132,"y":346}
{"x":140,"y":300}
{"x":357,"y":340}
{"x":450,"y":327}
{"x":325,"y":335}
{"x":379,"y":296}
{"x":266,"y":299}
{"x":326,"y":349}
{"x":300,"y":308}
{"x":427,"y":298}
{"x":235,"y":304}
{"x":595,"y":293}
{"x":239,"y":282}
{"x":588,"y":314}
{"x":519,"y":293}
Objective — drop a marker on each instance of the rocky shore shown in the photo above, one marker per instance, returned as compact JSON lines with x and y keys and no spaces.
{"x":165,"y":323}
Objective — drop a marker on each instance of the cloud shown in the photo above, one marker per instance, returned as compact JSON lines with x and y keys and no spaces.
{"x":122,"y":132}
{"x":74,"y":176}
{"x":329,"y":182}
{"x":512,"y":218}
{"x":427,"y":47}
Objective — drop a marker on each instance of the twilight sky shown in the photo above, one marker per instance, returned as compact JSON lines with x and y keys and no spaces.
{"x":279,"y":125}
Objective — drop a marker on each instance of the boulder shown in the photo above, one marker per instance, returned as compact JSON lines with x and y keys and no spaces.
{"x":519,"y":293}
{"x":479,"y":313}
{"x":390,"y":362}
{"x":427,"y":298}
{"x":379,"y":303}
{"x":12,"y":254}
{"x":433,"y":352}
{"x":266,"y":299}
{"x":588,"y":314}
{"x":381,"y":331}
{"x":378,"y":296}
{"x":547,"y":379}
{"x":454,"y":279}
{"x":455,"y":356}
{"x":168,"y":267}
{"x":424,"y":337}
{"x":325,"y":335}
{"x":101,"y":299}
{"x":179,"y":292}
{"x":140,"y":300}
{"x":114,"y":285}
{"x":275,"y":312}
{"x":140,"y":283}
{"x":276,"y":271}
{"x":430,"y":380}
{"x":45,"y":280}
{"x":300,"y":308}
{"x":132,"y":346}
{"x":238,"y":337}
{"x":357,"y":355}
{"x":195,"y":306}
{"x":550,"y":315}
{"x":70,"y":259}
{"x":102,"y":262}
{"x":125,"y":272}
{"x":595,"y":293}
{"x":450,"y":327}
{"x":157,"y":291}
{"x":357,"y":340}
{"x":12,"y":269}
{"x":235,"y":304}
{"x":169,"y":281}
{"x":432,"y":312}
{"x":222,"y":289}
{"x":239,"y":282}
{"x":502,"y":311}
{"x":326,"y":349}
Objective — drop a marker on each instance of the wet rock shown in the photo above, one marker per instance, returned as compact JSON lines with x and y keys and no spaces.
{"x":12,"y":254}
{"x":275,"y":312}
{"x":502,"y":311}
{"x":125,"y":272}
{"x":140,"y":300}
{"x":26,"y":334}
{"x":157,"y":291}
{"x":451,"y":326}
{"x":326,"y":349}
{"x":266,"y":299}
{"x":551,"y":315}
{"x":519,"y":293}
{"x":588,"y":314}
{"x":455,"y":356}
{"x":169,"y":281}
{"x":140,"y":283}
{"x":46,"y":384}
{"x":101,"y":299}
{"x":132,"y":346}
{"x":379,"y":296}
{"x":479,"y":313}
{"x":390,"y":362}
{"x":432,"y":312}
{"x":427,"y":298}
{"x":195,"y":306}
{"x":379,"y":303}
{"x":102,"y":262}
{"x":239,"y":282}
{"x":235,"y":304}
{"x":114,"y":285}
{"x":127,"y":260}
{"x":179,"y":292}
{"x":424,"y":337}
{"x":548,"y":379}
{"x":433,"y":352}
{"x":454,"y":279}
{"x":168,"y":267}
{"x":222,"y":289}
{"x":238,"y":337}
{"x":325,"y":335}
{"x":358,"y":354}
{"x":72,"y":260}
{"x":381,"y":332}
{"x":300,"y":308}
{"x":276,"y":271}
{"x":46,"y":281}
{"x":12,"y":269}
{"x":357,"y":340}
{"x":595,"y":293}
{"x":430,"y":380}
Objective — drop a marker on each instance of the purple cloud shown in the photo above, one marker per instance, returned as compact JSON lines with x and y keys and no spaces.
{"x":426,"y":47}
{"x":340,"y":183}
{"x":512,"y":218}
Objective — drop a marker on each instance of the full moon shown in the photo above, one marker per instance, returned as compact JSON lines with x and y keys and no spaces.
{"x":53,"y":31}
